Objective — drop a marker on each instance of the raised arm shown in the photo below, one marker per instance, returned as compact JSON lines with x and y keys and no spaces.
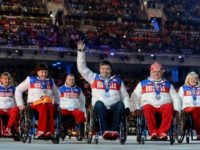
{"x":86,"y":73}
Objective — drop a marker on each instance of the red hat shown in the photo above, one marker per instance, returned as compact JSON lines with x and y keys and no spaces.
{"x":156,"y":67}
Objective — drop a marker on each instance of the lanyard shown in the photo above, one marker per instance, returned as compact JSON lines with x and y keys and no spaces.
{"x":106,"y":85}
{"x":157,"y":87}
{"x":194,"y":93}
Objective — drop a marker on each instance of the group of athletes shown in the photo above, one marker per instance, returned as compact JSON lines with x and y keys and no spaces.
{"x":152,"y":95}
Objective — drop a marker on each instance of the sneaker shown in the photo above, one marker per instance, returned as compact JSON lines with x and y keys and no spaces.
{"x":163,"y":136}
{"x":48,"y":134}
{"x":107,"y":135}
{"x":114,"y":135}
{"x":154,"y":136}
{"x":39,"y":134}
{"x":7,"y":132}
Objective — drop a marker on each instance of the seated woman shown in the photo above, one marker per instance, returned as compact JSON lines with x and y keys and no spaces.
{"x":41,"y":91}
{"x":156,"y":95}
{"x":190,"y":97}
{"x":7,"y":102}
{"x":72,"y":102}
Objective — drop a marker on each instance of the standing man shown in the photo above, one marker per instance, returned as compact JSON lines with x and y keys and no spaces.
{"x":108,"y":93}
{"x":156,"y":95}
{"x":72,"y":102}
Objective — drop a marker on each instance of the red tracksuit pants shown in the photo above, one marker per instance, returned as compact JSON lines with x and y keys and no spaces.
{"x":77,"y":114}
{"x":195,"y":112}
{"x":12,"y":113}
{"x":166,"y":112}
{"x":46,"y":117}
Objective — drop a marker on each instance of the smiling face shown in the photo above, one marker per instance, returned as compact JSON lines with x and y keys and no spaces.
{"x":5,"y":80}
{"x":42,"y":74}
{"x":192,"y":81}
{"x":105,"y":71}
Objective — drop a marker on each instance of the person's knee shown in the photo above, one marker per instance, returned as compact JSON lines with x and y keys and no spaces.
{"x":147,"y":106}
{"x":120,"y":106}
{"x":99,"y":105}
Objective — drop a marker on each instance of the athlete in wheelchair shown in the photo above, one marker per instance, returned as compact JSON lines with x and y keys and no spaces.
{"x":73,"y":112}
{"x":109,"y":98}
{"x":43,"y":99}
{"x":189,"y":118}
{"x":9,"y":112}
{"x":156,"y":101}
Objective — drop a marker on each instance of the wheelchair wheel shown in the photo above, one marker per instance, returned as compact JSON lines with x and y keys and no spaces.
{"x":88,"y":134}
{"x":96,"y":140}
{"x":142,"y":140}
{"x":24,"y":125}
{"x":187,"y":139}
{"x":55,"y":138}
{"x":180,"y":128}
{"x":88,"y":130}
{"x":139,"y":122}
{"x":123,"y":131}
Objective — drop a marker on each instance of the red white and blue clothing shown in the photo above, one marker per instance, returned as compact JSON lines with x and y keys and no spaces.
{"x":38,"y":88}
{"x":145,"y":93}
{"x":190,"y":98}
{"x":109,"y":91}
{"x":72,"y":102}
{"x":8,"y":104}
{"x":156,"y":97}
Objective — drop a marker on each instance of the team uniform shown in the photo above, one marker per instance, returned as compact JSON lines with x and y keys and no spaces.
{"x":156,"y":96}
{"x":8,"y":105}
{"x":117,"y":91}
{"x":36,"y":89}
{"x":72,"y":102}
{"x":190,"y":97}
{"x":107,"y":94}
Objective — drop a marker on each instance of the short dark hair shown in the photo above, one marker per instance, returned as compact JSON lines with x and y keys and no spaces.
{"x":105,"y":62}
{"x":41,"y":67}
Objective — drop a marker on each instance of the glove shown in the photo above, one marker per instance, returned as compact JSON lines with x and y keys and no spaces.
{"x":80,"y":46}
{"x":127,"y":111}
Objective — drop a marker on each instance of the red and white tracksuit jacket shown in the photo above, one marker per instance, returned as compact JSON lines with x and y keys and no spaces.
{"x":117,"y":89}
{"x":72,"y":98}
{"x":8,"y":105}
{"x":145,"y":93}
{"x":190,"y":98}
{"x":185,"y":93}
{"x":36,"y":89}
{"x":7,"y":99}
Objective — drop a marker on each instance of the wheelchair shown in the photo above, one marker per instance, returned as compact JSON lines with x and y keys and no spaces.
{"x":142,"y":129}
{"x":70,"y":128}
{"x":186,"y":128}
{"x":93,"y":128}
{"x":14,"y":130}
{"x":28,"y":125}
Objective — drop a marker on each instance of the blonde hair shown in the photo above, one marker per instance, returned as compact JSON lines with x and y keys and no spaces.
{"x":192,"y":74}
{"x":8,"y":75}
